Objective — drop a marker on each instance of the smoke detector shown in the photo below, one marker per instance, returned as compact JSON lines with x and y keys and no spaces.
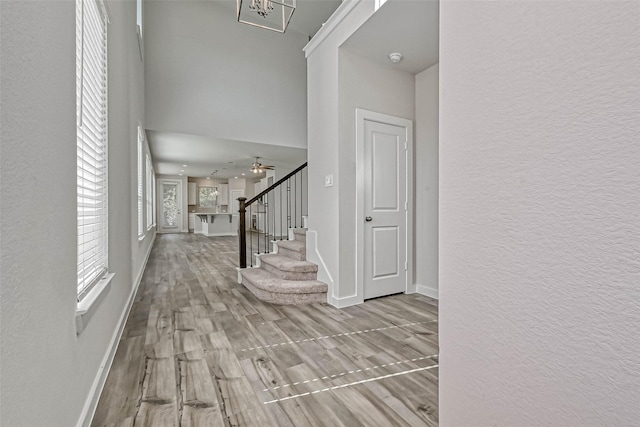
{"x":395,"y":57}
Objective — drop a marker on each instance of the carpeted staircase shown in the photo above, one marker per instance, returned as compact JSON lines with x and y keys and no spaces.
{"x":285,"y":276}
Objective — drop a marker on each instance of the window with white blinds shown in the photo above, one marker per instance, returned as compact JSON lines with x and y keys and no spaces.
{"x":92,"y":125}
{"x":149,"y":192}
{"x":140,"y":184}
{"x":153,"y":203}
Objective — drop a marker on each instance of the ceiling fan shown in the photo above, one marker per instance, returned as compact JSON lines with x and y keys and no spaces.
{"x":257,"y":167}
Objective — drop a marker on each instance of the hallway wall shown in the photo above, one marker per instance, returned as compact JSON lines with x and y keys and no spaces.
{"x":371,"y":86}
{"x":539,"y":213}
{"x":341,"y":80}
{"x":49,"y":373}
{"x":426,"y":182}
{"x":323,"y":138}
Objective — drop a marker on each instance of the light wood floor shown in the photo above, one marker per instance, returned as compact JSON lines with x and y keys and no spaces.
{"x":199,"y":350}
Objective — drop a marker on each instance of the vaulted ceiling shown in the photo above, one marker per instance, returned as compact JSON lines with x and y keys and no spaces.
{"x":220,"y":93}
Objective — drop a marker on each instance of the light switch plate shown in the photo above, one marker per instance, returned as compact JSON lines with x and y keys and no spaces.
{"x":328,"y":181}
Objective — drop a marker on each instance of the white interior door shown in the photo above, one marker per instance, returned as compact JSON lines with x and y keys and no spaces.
{"x":384,"y":214}
{"x":170,"y":206}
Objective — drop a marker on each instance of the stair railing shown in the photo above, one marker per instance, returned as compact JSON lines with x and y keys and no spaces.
{"x":277,"y":209}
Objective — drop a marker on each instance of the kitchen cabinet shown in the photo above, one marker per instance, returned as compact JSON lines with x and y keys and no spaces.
{"x":192,"y":197}
{"x":223,"y":194}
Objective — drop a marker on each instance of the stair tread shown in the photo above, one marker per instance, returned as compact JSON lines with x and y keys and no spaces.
{"x":265,"y":280}
{"x":286,"y":263}
{"x":292,"y":245}
{"x":299,"y":231}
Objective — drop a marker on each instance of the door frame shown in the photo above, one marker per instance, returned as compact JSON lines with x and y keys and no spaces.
{"x":362,"y":116}
{"x":160,"y":207}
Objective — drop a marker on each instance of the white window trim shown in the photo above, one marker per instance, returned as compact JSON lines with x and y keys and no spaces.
{"x":88,"y":305}
{"x":154,"y":191}
{"x":93,"y":163}
{"x":139,"y":27}
{"x":140,"y":200}
{"x":92,"y":142}
{"x":149,"y":191}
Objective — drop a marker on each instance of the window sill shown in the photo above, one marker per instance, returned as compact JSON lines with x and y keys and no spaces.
{"x":90,"y":303}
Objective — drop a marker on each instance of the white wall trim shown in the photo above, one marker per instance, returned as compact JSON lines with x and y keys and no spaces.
{"x":332,"y":23}
{"x":220,"y":234}
{"x":427,"y":291}
{"x":90,"y":405}
{"x":345,"y":301}
{"x":362,"y":116}
{"x":313,"y":255}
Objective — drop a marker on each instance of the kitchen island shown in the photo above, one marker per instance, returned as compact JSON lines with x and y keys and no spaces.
{"x":216,"y":224}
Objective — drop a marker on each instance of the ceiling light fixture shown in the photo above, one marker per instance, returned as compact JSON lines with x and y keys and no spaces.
{"x":395,"y":57}
{"x":215,"y":182}
{"x":257,"y":167}
{"x":271,"y":15}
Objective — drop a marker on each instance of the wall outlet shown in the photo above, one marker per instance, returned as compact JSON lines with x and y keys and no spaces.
{"x":328,"y":181}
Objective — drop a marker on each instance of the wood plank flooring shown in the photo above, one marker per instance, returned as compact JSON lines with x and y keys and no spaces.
{"x":199,"y":350}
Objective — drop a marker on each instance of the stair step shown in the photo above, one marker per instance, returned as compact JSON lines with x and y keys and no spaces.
{"x":267,"y":287}
{"x":295,"y":249}
{"x":300,"y":234}
{"x":288,"y":268}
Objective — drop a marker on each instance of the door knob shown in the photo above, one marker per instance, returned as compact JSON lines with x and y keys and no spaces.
{"x":368,"y":219}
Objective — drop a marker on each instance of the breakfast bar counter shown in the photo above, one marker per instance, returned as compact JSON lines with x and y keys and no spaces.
{"x":216,"y":224}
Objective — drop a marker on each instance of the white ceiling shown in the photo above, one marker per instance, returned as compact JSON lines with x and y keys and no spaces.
{"x":406,"y":26}
{"x":410,"y":27}
{"x":202,"y":155}
{"x":307,"y":18}
{"x":311,"y":14}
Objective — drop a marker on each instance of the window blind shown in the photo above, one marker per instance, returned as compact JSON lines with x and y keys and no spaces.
{"x":92,"y":125}
{"x":140,"y":184}
{"x":149,"y":192}
{"x":154,"y":190}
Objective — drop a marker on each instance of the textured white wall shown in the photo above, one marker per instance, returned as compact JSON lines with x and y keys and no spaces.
{"x":374,"y":87}
{"x":207,"y":74}
{"x":426,"y":182}
{"x":539,"y":213}
{"x":43,"y":360}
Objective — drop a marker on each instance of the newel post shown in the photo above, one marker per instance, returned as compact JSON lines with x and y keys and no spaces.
{"x":242,"y":233}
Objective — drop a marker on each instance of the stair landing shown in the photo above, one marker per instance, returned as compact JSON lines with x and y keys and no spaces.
{"x":285,"y":277}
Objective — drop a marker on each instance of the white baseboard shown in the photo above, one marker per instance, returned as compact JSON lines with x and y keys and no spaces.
{"x":342,"y":302}
{"x":219,"y":234}
{"x":427,"y":291}
{"x":89,"y":409}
